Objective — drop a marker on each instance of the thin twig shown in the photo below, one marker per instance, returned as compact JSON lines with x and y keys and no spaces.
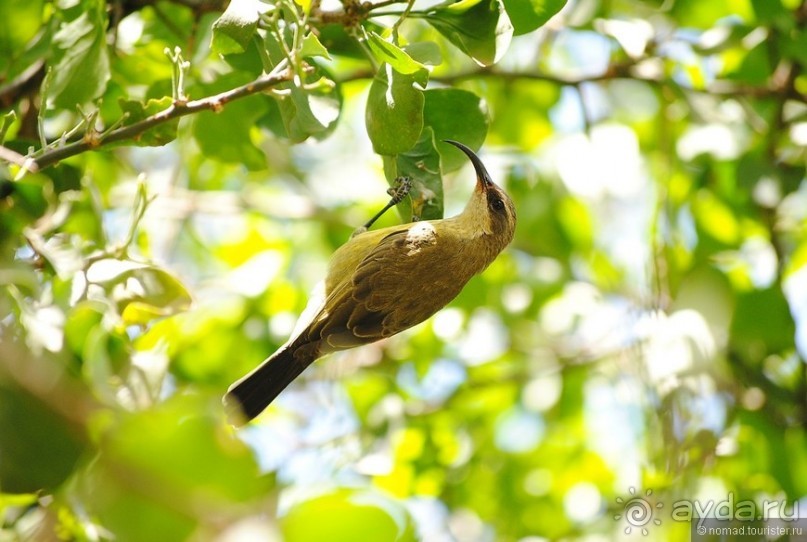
{"x":174,"y":111}
{"x":400,"y":21}
{"x":13,"y":157}
{"x":369,"y":6}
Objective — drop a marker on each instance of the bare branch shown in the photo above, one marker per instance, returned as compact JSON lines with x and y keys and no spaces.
{"x":718,"y":88}
{"x":176,"y":110}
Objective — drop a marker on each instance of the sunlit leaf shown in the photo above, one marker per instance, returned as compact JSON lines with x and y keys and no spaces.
{"x":527,"y":15}
{"x":141,"y":292}
{"x":233,"y":31}
{"x":19,"y":22}
{"x":396,"y":57}
{"x":480,"y":28}
{"x":313,"y":47}
{"x":79,"y":69}
{"x":394,"y":114}
{"x":80,"y":321}
{"x":346,"y":516}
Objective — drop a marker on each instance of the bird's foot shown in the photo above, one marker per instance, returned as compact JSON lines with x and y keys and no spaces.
{"x":397,"y":193}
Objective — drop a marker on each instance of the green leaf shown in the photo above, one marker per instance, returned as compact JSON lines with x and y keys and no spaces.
{"x":762,"y":324}
{"x":396,"y":57}
{"x":39,"y":448}
{"x":141,"y":292}
{"x":304,"y":112}
{"x":479,"y":28}
{"x":769,"y":11}
{"x":755,"y":69}
{"x":137,"y":111}
{"x":307,"y":114}
{"x":425,"y":52}
{"x":82,"y":319}
{"x":20,"y":20}
{"x":312,"y":47}
{"x":106,"y":359}
{"x":339,"y":41}
{"x":347,"y":516}
{"x":79,"y":69}
{"x":421,"y":164}
{"x":394,"y":115}
{"x":795,"y":46}
{"x":186,"y":467}
{"x":157,"y":294}
{"x":225,"y":135}
{"x":455,"y":114}
{"x":527,"y":15}
{"x":233,"y":31}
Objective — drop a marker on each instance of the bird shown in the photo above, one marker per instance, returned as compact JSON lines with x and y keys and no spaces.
{"x":382,"y":282}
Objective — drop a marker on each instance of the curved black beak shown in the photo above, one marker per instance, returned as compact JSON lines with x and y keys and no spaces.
{"x":482,"y":176}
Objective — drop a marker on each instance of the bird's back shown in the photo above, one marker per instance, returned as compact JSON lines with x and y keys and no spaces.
{"x":385,"y":281}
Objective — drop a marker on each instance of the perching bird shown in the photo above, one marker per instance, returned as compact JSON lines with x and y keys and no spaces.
{"x":382,"y":282}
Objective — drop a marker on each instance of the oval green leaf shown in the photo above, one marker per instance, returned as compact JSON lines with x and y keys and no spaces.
{"x":79,"y":68}
{"x":233,"y":31}
{"x":394,"y":115}
{"x":455,"y":114}
{"x":527,"y":15}
{"x":347,"y":516}
{"x":479,"y":28}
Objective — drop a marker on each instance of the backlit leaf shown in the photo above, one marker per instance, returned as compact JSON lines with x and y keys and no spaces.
{"x":346,"y":516}
{"x":79,"y":69}
{"x":527,"y":15}
{"x":396,"y":57}
{"x":480,"y":28}
{"x":233,"y":31}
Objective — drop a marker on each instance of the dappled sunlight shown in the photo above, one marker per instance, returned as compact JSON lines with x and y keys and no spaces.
{"x":605,"y":163}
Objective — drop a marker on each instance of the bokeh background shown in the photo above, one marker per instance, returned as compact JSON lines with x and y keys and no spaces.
{"x":643,"y":336}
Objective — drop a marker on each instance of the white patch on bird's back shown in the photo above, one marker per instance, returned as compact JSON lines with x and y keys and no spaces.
{"x":418,"y":236}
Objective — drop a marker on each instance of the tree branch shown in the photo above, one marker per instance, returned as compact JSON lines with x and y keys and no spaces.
{"x":625,"y":71}
{"x":176,"y":110}
{"x":13,"y":157}
{"x":617,"y":71}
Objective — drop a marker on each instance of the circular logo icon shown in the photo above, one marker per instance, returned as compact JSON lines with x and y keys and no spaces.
{"x":638,"y":511}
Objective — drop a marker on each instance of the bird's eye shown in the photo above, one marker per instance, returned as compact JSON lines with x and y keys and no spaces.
{"x":496,"y":204}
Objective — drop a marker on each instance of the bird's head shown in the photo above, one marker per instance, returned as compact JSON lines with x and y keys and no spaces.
{"x":490,"y":209}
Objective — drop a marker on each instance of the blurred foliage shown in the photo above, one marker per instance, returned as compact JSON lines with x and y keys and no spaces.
{"x":644,"y":336}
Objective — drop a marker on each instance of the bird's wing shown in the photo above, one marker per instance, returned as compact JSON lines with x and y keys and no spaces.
{"x":401,"y":281}
{"x":396,"y":287}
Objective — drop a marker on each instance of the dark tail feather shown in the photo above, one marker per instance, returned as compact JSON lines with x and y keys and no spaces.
{"x":252,"y":394}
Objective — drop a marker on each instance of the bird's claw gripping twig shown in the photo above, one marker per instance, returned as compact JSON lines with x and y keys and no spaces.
{"x":397,"y":193}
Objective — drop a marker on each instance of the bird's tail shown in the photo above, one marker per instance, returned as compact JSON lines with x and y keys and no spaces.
{"x":249,"y":396}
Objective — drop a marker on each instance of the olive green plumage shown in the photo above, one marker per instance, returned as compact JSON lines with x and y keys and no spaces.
{"x":382,"y":282}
